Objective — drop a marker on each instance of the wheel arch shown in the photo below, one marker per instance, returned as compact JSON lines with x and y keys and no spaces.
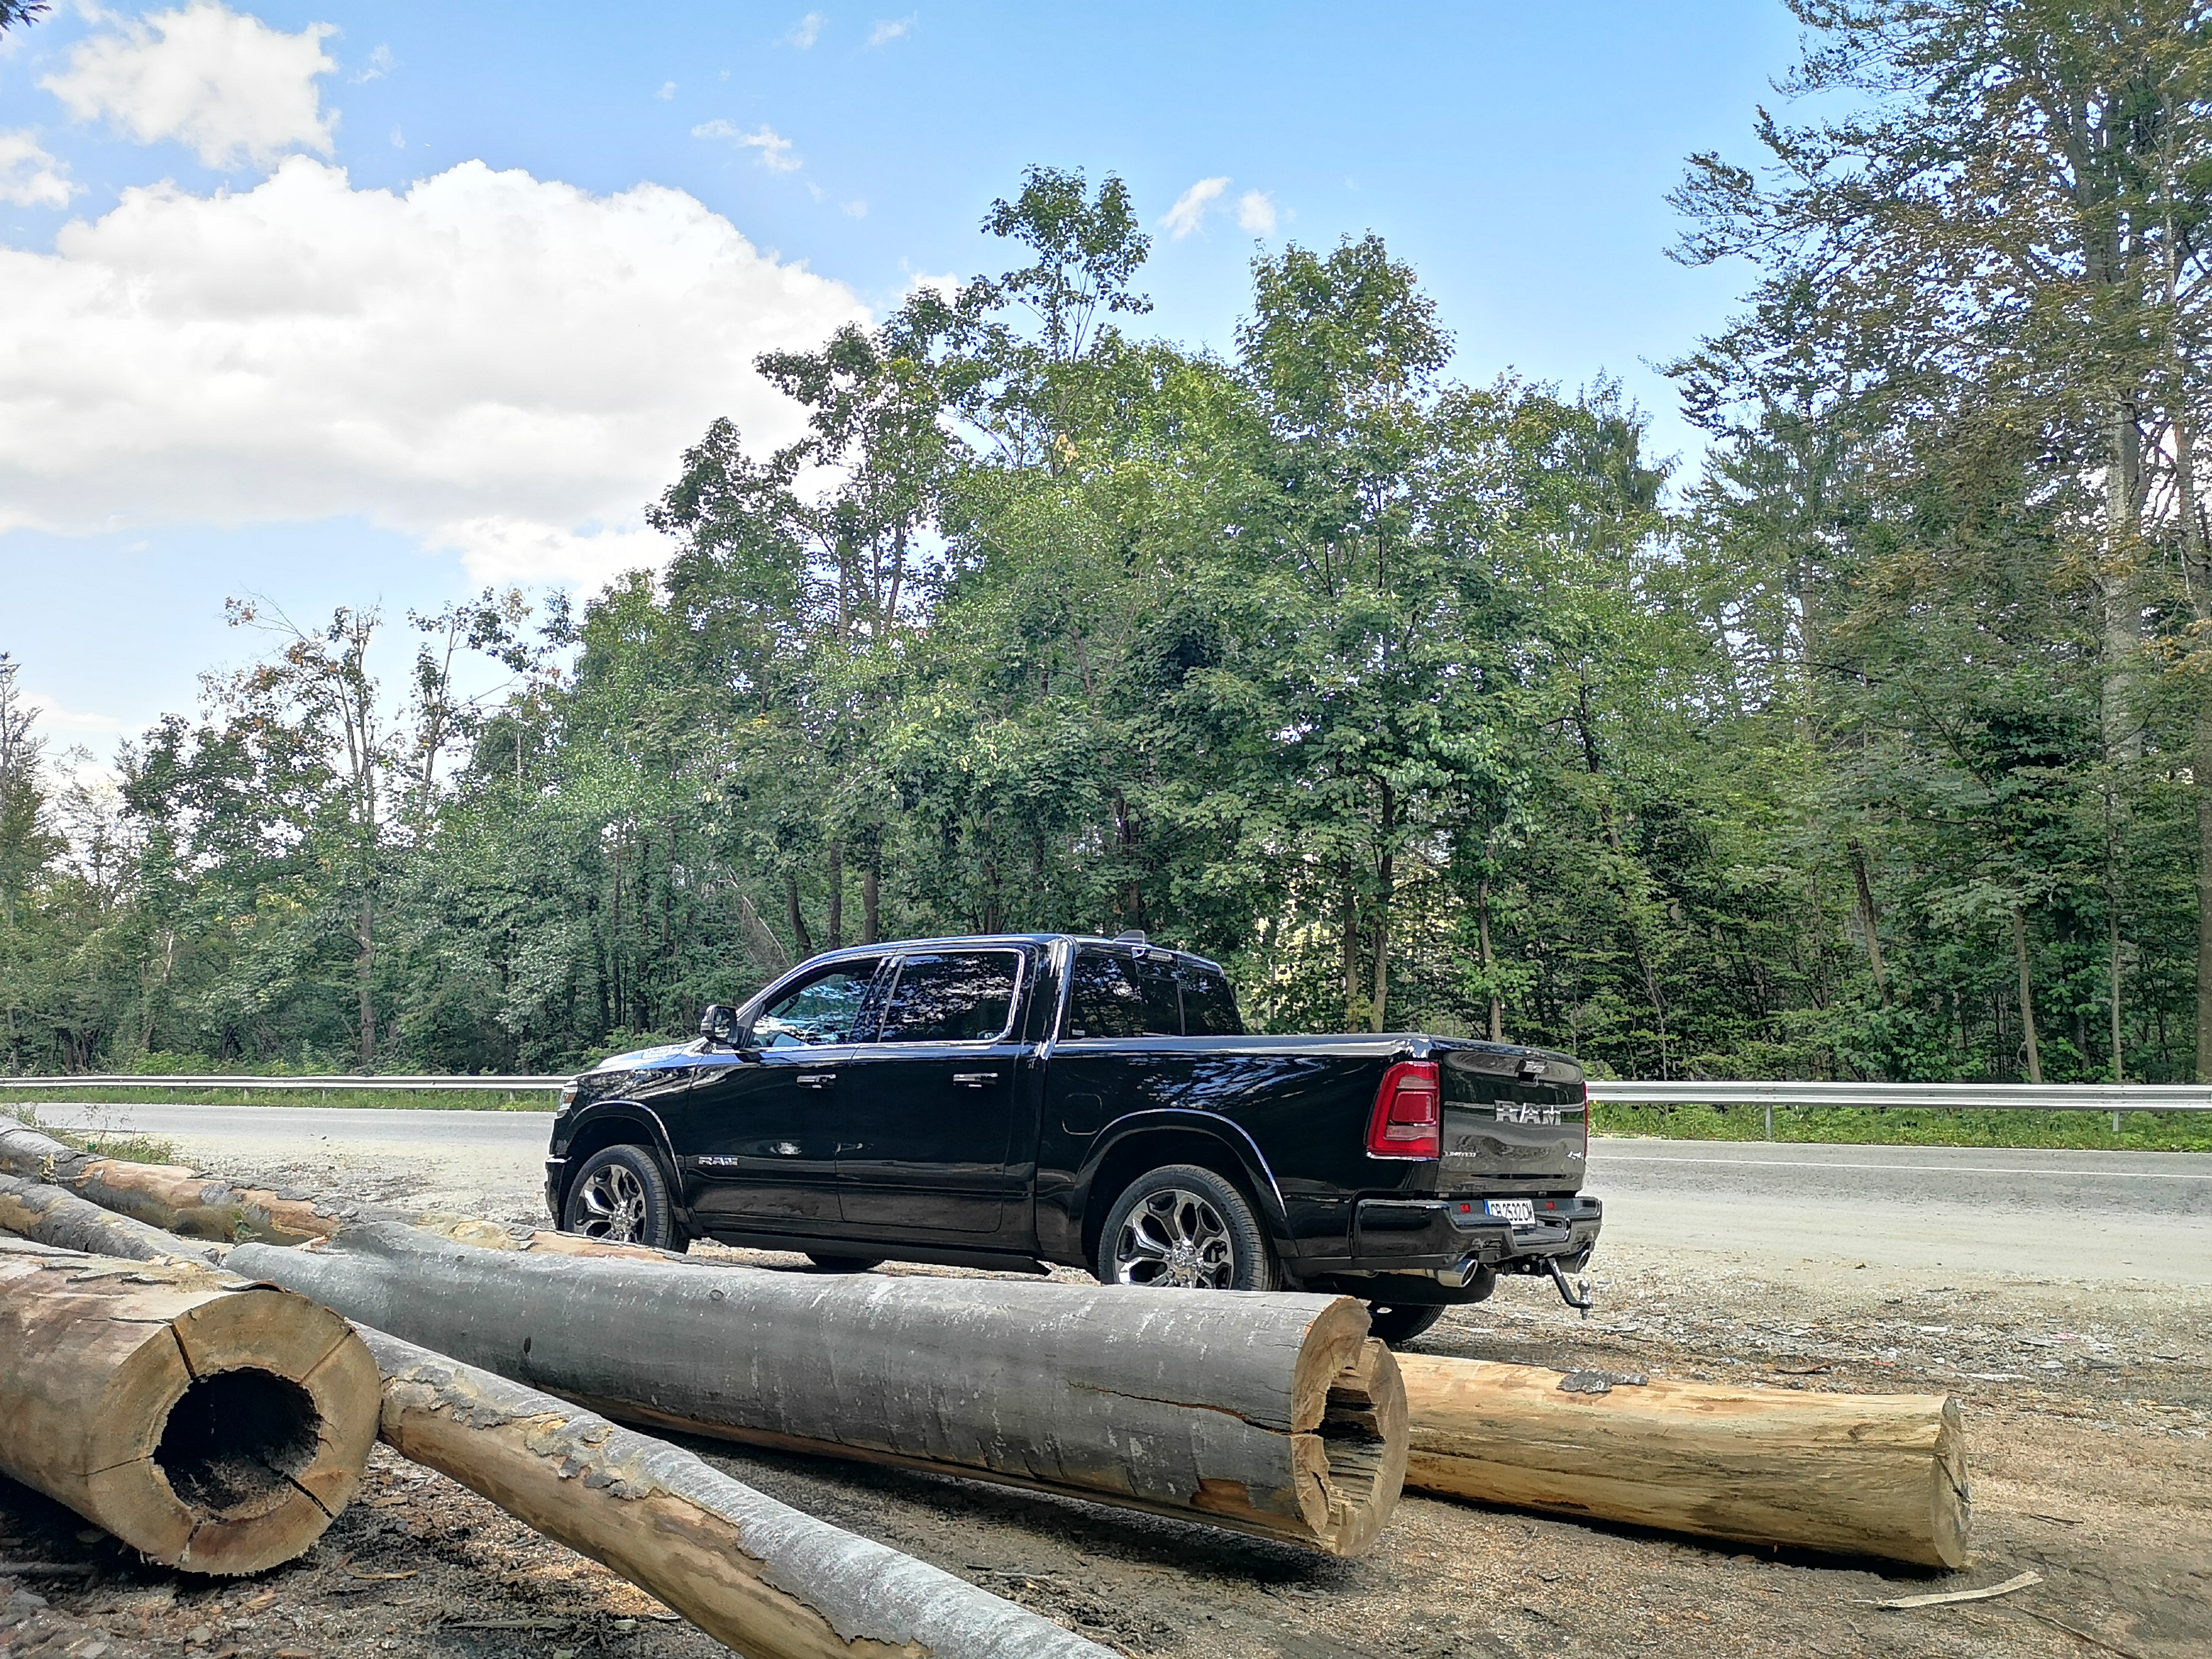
{"x":1128,"y":1146}
{"x":616,"y":1123}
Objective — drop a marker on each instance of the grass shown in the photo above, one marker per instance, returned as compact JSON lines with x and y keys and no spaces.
{"x":391,"y":1100}
{"x":103,"y":1141}
{"x":2139,"y":1132}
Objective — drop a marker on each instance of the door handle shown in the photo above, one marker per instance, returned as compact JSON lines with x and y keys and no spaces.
{"x":975,"y":1079}
{"x":816,"y":1079}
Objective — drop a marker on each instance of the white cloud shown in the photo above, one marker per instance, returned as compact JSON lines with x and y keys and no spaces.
{"x":226,"y":85}
{"x":1190,"y":207}
{"x":399,"y":139}
{"x":854,"y":209}
{"x":380,"y":63}
{"x":775,"y":149}
{"x":667,"y":91}
{"x":1255,"y":212}
{"x":29,"y":176}
{"x":69,"y":724}
{"x":888,"y":29}
{"x":804,"y":33}
{"x":494,"y":363}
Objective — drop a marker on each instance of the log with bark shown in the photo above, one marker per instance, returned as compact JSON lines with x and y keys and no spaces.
{"x":769,"y":1582}
{"x":51,"y":1215}
{"x":1272,"y":1414}
{"x":1854,"y":1474}
{"x":165,"y":1195}
{"x":210,"y":1423}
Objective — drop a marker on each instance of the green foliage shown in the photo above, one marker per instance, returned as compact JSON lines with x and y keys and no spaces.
{"x":1415,"y":700}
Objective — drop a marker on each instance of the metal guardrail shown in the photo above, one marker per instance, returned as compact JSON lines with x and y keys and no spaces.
{"x":2116,"y":1098}
{"x":88,"y":1080}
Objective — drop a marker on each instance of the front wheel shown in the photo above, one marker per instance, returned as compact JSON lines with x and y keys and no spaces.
{"x":620,"y":1197}
{"x":1184,"y":1227}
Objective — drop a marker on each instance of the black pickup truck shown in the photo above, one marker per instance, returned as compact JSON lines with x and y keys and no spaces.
{"x":1008,"y":1101}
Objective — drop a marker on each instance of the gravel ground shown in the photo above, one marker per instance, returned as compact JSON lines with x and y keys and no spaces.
{"x":2087,"y":1407}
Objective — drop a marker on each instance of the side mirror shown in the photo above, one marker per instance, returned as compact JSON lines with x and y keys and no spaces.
{"x":719,"y":1024}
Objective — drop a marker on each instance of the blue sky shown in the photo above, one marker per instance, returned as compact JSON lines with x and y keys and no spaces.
{"x":386,"y":375}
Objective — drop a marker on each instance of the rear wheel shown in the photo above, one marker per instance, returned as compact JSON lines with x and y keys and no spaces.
{"x":621,"y":1197}
{"x":1399,"y":1322}
{"x":1184,"y":1227}
{"x":844,"y":1264}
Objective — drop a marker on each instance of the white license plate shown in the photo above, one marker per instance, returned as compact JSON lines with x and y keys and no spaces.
{"x":1511,"y":1209}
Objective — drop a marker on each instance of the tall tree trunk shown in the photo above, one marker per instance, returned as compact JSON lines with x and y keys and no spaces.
{"x":871,"y":878}
{"x":802,"y":942}
{"x":1869,"y":922}
{"x":364,"y":979}
{"x":2026,"y":995}
{"x":1385,"y":875}
{"x":2123,"y":728}
{"x":1347,"y":906}
{"x":2198,"y":570}
{"x":837,"y":894}
{"x":1489,"y":962}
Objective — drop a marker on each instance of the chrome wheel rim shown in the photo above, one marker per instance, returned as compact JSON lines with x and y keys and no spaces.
{"x":1176,"y":1239}
{"x":610,"y":1204}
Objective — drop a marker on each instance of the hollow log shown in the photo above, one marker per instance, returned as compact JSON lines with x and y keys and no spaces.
{"x":165,"y":1195}
{"x":51,"y":1215}
{"x":1275,"y":1415}
{"x":1855,"y":1474}
{"x":749,"y":1571}
{"x":210,"y":1423}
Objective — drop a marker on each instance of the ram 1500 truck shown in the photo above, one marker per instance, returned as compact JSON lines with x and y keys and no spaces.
{"x":1009,"y":1101}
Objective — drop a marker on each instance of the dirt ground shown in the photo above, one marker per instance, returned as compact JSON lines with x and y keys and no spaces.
{"x":2087,"y":1407}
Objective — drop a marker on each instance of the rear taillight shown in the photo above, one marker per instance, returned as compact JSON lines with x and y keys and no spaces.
{"x":1408,"y":1117}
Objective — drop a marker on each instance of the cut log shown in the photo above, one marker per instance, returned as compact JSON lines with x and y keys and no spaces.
{"x":1855,"y":1474}
{"x":50,"y":1215}
{"x":763,"y":1578}
{"x":212,"y":1425}
{"x":1272,"y":1414}
{"x":165,"y":1195}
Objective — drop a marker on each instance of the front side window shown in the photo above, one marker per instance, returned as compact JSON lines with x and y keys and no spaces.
{"x":1117,"y":995}
{"x":951,"y":996}
{"x":828,"y":1008}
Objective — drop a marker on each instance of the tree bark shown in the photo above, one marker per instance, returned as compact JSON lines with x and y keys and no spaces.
{"x":2026,"y":995}
{"x":1489,"y":962}
{"x":1348,"y":936}
{"x":871,"y":899}
{"x":837,"y":895}
{"x":1385,"y":875}
{"x":365,"y":978}
{"x":210,"y":1424}
{"x":1857,"y":1474}
{"x":1870,"y":922}
{"x":164,"y":1195}
{"x":47,"y":1215}
{"x":752,"y":1573}
{"x":1271,"y":1415}
{"x":802,"y":942}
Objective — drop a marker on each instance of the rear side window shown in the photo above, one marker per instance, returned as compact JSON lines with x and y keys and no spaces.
{"x":1115,"y":995}
{"x":1209,"y":1007}
{"x":951,"y":996}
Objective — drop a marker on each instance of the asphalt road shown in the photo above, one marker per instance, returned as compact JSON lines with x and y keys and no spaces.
{"x":2047,"y":1215}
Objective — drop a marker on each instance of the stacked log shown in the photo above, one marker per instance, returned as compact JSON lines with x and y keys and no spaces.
{"x":1855,"y":1474}
{"x":1275,"y":1415}
{"x":50,"y":1215}
{"x":212,"y":1425}
{"x":164,"y":1195}
{"x":765,"y":1579}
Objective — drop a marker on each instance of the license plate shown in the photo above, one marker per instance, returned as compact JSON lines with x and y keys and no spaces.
{"x":1511,"y":1209}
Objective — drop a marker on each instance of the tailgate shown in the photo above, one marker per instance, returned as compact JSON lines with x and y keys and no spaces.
{"x":1511,"y":1115}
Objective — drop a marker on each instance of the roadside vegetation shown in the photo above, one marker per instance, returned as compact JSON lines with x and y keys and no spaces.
{"x":1879,"y":745}
{"x":2139,"y":1132}
{"x":118,"y":1141}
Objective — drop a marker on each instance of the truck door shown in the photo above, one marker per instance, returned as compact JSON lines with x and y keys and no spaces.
{"x":928,"y":1106}
{"x":765,"y":1131}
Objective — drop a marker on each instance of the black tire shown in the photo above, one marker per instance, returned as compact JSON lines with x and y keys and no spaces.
{"x":844,"y":1264}
{"x":1184,"y":1226}
{"x":1400,"y":1321}
{"x":621,"y":1196}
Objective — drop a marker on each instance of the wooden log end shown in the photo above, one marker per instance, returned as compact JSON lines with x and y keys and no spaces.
{"x":246,"y":1433}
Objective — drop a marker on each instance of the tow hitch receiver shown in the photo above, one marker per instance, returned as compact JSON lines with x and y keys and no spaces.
{"x":1583,"y":1302}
